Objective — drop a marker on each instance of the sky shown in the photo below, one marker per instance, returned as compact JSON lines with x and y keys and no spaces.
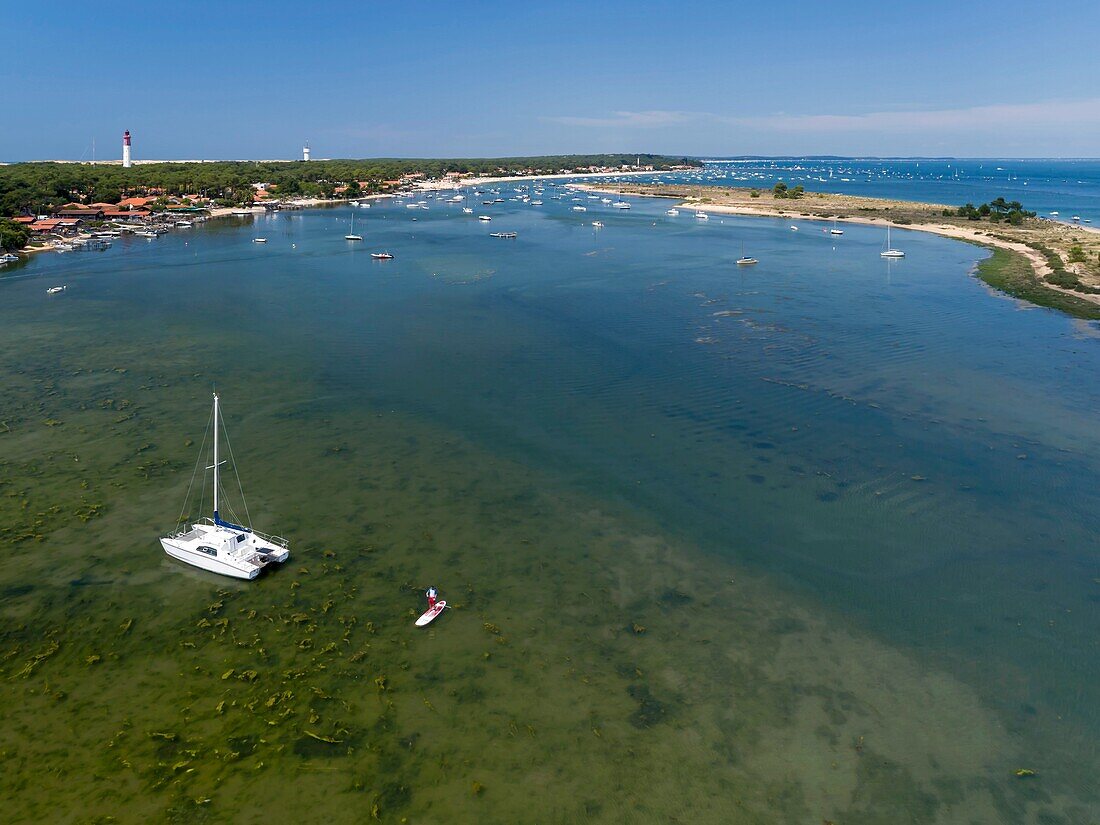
{"x":256,"y":80}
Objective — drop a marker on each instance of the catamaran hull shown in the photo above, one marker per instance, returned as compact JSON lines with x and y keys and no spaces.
{"x":205,"y":562}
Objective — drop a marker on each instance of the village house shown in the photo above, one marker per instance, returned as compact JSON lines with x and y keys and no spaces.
{"x":85,"y":213}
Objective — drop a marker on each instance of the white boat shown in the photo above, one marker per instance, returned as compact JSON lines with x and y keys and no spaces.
{"x":746,"y":260}
{"x":794,"y":228}
{"x":184,"y":224}
{"x":53,"y":290}
{"x":621,"y":205}
{"x":364,"y":205}
{"x":221,"y":546}
{"x":889,"y":251}
{"x":467,"y":210}
{"x":503,"y":234}
{"x":672,"y":212}
{"x":352,"y":236}
{"x":579,"y":209}
{"x":8,"y":257}
{"x":598,"y":224}
{"x":484,"y":218}
{"x":259,"y":240}
{"x":835,"y":231}
{"x":536,"y":203}
{"x":146,"y":234}
{"x":703,"y":216}
{"x":381,"y":256}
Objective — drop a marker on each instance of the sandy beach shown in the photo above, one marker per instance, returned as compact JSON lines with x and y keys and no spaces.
{"x":921,"y":217}
{"x":436,"y":185}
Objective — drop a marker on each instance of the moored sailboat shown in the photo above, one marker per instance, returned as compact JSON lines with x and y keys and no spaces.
{"x":889,"y":251}
{"x":221,"y":546}
{"x":351,"y":236}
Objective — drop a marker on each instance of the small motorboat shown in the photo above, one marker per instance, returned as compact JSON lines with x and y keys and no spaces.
{"x":259,"y":240}
{"x":503,"y":234}
{"x":53,"y":290}
{"x":579,"y":209}
{"x":703,"y":216}
{"x":381,"y":256}
{"x":672,"y":213}
{"x":484,"y":218}
{"x":598,"y":224}
{"x":353,"y":237}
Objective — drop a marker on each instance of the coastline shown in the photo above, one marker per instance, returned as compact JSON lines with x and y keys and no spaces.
{"x":446,"y":185}
{"x":1053,"y":236}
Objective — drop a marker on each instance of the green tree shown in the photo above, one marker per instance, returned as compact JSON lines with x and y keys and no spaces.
{"x":13,"y":235}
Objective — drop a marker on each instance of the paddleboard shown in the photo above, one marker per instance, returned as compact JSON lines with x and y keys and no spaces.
{"x":427,"y":618}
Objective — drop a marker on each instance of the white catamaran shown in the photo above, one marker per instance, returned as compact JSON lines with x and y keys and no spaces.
{"x":221,"y":546}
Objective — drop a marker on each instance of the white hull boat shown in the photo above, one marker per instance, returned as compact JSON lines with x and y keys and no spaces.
{"x":889,"y":251}
{"x":220,"y":546}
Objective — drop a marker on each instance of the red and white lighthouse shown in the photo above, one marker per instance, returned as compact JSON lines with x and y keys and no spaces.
{"x":126,"y":149}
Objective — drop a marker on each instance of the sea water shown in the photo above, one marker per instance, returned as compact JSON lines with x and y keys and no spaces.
{"x":1064,"y":186}
{"x":811,"y":540}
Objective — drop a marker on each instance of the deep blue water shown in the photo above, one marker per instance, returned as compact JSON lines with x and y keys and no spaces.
{"x":1068,"y":187}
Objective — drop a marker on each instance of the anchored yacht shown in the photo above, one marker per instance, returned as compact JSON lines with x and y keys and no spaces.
{"x":221,"y":546}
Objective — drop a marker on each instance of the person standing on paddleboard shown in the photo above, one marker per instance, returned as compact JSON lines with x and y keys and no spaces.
{"x":432,"y":596}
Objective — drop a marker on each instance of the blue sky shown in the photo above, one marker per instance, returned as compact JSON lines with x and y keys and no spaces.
{"x":367,"y":79}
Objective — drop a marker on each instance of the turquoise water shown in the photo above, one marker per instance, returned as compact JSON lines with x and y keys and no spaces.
{"x":1068,"y":187}
{"x":813,"y":539}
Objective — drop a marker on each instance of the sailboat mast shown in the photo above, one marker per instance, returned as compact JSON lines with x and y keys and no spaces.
{"x":215,"y":457}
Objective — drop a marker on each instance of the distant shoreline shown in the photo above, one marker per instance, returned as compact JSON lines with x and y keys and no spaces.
{"x":1036,"y":241}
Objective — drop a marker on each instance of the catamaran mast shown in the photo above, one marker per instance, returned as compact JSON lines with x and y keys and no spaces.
{"x":215,"y":457}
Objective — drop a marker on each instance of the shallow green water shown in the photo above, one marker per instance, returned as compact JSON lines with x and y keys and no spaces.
{"x":809,"y":541}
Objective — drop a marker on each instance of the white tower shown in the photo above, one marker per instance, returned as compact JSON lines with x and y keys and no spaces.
{"x":126,"y":164}
{"x":305,"y":152}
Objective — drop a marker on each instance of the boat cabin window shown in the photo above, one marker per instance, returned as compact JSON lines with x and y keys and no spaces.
{"x":210,"y":551}
{"x":240,"y":538}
